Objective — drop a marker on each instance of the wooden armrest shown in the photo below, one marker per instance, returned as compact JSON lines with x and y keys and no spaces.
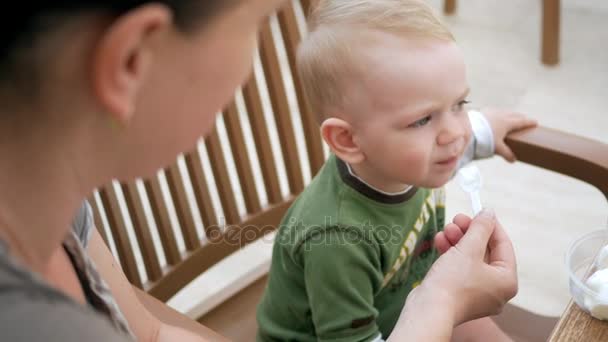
{"x":168,"y":315}
{"x":562,"y":152}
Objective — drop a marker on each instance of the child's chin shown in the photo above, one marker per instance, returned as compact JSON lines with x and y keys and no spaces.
{"x":436,"y":182}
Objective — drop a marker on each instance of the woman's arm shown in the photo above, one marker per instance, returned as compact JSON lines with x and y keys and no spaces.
{"x":145,"y":326}
{"x":427,"y":316}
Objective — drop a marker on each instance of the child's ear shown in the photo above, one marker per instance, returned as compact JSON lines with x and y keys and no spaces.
{"x":338,"y":134}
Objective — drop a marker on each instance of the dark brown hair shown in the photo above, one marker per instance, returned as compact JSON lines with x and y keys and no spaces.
{"x":28,"y":25}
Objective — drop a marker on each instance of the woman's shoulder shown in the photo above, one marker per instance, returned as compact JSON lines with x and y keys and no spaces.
{"x":35,"y":318}
{"x":31,"y":311}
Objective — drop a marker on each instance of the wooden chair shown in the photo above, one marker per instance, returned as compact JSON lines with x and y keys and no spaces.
{"x":550,"y":28}
{"x":131,"y":215}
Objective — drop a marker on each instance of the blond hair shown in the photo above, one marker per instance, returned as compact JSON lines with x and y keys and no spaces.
{"x":327,"y":59}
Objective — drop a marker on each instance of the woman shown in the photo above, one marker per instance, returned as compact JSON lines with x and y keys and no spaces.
{"x":94,"y":90}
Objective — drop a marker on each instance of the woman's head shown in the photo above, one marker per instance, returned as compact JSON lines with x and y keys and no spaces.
{"x":28,"y":23}
{"x":134,"y":82}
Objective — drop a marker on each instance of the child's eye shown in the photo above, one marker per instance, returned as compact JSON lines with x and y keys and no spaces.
{"x":462,"y":104}
{"x":421,"y":122}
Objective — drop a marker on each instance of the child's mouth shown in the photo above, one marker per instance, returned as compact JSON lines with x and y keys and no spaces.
{"x":448,"y":162}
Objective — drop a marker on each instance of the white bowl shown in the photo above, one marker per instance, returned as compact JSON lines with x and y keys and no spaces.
{"x":579,"y":260}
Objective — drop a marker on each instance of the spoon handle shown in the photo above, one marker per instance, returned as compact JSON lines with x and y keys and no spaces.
{"x":475,"y":202}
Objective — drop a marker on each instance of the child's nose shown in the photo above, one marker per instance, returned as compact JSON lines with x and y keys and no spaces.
{"x":452,"y":131}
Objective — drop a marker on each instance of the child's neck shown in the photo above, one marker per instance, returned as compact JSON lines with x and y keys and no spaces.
{"x":370,"y":178}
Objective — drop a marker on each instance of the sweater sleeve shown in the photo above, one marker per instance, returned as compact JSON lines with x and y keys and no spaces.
{"x":482,"y":142}
{"x":342,"y":275}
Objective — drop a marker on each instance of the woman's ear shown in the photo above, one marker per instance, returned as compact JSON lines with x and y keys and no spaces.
{"x":123,"y":57}
{"x":338,"y":134}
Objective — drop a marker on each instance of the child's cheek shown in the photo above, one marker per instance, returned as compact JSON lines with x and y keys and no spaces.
{"x":415,"y":163}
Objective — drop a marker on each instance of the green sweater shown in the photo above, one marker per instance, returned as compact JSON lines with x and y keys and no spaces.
{"x":345,"y":258}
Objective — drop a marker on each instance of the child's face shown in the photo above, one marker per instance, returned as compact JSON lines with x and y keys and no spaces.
{"x":411,"y":124}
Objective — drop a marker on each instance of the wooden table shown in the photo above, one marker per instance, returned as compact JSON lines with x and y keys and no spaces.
{"x":577,"y":325}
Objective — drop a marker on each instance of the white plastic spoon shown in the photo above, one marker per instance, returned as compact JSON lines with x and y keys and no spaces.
{"x":469,"y":179}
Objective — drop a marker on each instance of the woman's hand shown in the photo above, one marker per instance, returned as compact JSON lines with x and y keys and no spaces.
{"x":452,"y":233}
{"x":475,"y":277}
{"x":478,"y":271}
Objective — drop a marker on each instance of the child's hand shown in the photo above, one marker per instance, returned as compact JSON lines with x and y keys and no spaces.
{"x":504,"y":122}
{"x":452,"y":233}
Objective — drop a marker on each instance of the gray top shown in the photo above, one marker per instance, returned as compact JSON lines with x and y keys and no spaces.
{"x":31,"y":310}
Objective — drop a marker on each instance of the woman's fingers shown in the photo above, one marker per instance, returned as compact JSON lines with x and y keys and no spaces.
{"x":475,"y":241}
{"x":453,"y":233}
{"x":463,"y":221}
{"x":501,"y":249}
{"x":441,"y":243}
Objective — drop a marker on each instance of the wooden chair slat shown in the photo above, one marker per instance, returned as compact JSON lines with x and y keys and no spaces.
{"x":161,"y":217}
{"x":201,"y":194}
{"x":292,"y":37}
{"x":222,"y":179}
{"x":182,"y":207}
{"x":109,"y":199}
{"x":241,"y":159}
{"x":142,"y":230}
{"x":280,"y":106}
{"x":259,"y":131}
